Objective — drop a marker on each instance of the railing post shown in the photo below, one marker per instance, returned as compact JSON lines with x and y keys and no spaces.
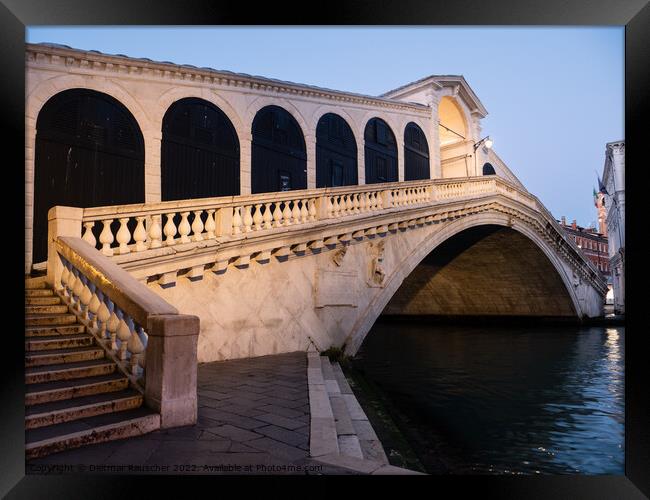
{"x":61,"y":221}
{"x":223,"y":221}
{"x":386,"y":198}
{"x":171,"y":368}
{"x":321,"y":207}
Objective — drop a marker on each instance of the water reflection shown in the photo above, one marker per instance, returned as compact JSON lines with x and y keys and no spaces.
{"x":506,"y":400}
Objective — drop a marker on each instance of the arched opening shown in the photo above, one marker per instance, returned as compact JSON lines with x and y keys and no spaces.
{"x":199,"y":153}
{"x":380,"y":149}
{"x":416,"y":154}
{"x":89,"y":153}
{"x":484,"y":271}
{"x":455,"y":143}
{"x":488,"y":169}
{"x":279,"y":158}
{"x":336,"y":152}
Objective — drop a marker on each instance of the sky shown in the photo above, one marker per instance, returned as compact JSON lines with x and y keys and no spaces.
{"x":555,"y":95}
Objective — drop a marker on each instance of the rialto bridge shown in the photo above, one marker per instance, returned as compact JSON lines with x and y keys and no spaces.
{"x":281,"y":215}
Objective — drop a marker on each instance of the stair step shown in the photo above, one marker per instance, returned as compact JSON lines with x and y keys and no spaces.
{"x":50,"y":319}
{"x":50,"y":331}
{"x":69,"y":371}
{"x":42,"y":301}
{"x":97,"y":429}
{"x":67,"y":389}
{"x":58,"y":342}
{"x":342,"y":418}
{"x":46,"y":309}
{"x":39,"y":292}
{"x":36,"y":283}
{"x":341,"y":380}
{"x":68,"y":410}
{"x":350,"y":446}
{"x":58,"y":356}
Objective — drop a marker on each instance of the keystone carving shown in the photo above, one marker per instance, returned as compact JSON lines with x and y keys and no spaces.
{"x":377,"y":273}
{"x":339,"y":255}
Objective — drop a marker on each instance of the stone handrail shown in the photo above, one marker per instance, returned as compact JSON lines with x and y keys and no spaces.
{"x":143,"y":237}
{"x":146,"y":336}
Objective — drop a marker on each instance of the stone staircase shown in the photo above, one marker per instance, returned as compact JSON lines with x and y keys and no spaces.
{"x":340,"y":433}
{"x":75,"y":395}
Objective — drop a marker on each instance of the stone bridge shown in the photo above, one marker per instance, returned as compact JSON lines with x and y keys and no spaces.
{"x":276,"y":272}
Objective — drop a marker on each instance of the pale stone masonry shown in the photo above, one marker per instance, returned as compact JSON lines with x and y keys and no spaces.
{"x":614,"y":181}
{"x":148,"y":88}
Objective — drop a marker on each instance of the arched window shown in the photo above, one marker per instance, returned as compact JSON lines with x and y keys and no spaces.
{"x":380,"y":150}
{"x":488,"y":169}
{"x":89,"y":153}
{"x":416,"y":154}
{"x":279,"y":158}
{"x":336,"y":152}
{"x":199,"y":153}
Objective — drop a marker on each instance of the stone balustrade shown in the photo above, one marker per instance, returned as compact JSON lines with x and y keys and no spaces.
{"x":159,"y":241}
{"x":147,"y":337}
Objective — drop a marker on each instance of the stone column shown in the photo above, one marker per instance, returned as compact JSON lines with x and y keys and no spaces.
{"x":434,"y":137}
{"x":30,"y":142}
{"x":245,"y":160}
{"x":61,"y":221}
{"x":171,"y":368}
{"x":310,"y":143}
{"x":400,"y":157}
{"x":152,"y":175}
{"x":361,"y":162}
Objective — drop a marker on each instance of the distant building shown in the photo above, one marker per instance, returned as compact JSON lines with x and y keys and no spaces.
{"x":613,"y":189}
{"x":592,"y":243}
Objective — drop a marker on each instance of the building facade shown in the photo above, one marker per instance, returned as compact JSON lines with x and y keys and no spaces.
{"x":110,"y":130}
{"x":614,"y":191}
{"x":593,"y":244}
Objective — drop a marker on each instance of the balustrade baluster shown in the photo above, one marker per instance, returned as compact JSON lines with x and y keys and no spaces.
{"x":106,"y":238}
{"x":155,"y":232}
{"x":268,"y":216}
{"x":247,"y":219}
{"x":286,"y":214}
{"x":304,"y":213}
{"x":295,"y":212}
{"x":277,"y":215}
{"x":103,"y":315}
{"x":65,"y":276}
{"x":312,"y":209}
{"x":84,"y":298}
{"x":197,"y":226}
{"x":123,"y":236}
{"x":184,"y":228}
{"x":112,"y":325}
{"x":355,"y":203}
{"x":78,"y":288}
{"x":170,"y":229}
{"x":236,"y":220}
{"x":349,"y":205}
{"x":210,"y":225}
{"x":257,"y":218}
{"x":363,"y":202}
{"x":140,"y":235}
{"x":88,"y":236}
{"x":335,"y":206}
{"x":123,"y":335}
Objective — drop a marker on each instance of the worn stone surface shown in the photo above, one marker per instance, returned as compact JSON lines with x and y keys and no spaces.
{"x":223,"y":441}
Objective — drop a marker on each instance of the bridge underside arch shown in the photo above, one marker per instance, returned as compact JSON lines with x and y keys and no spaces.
{"x":486,"y":270}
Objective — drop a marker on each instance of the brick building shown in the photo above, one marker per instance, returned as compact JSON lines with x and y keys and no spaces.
{"x":592,"y":243}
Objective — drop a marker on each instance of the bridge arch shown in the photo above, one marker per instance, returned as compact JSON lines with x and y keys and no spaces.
{"x":405,"y":265}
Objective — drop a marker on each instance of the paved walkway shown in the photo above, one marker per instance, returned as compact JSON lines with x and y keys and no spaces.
{"x":253,"y":418}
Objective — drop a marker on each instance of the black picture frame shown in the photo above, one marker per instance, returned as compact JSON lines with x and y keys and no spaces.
{"x":633,"y":14}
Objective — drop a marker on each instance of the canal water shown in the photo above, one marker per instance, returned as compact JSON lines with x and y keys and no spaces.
{"x":503,"y":400}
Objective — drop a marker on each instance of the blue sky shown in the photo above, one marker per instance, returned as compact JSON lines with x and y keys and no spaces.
{"x":555,"y":95}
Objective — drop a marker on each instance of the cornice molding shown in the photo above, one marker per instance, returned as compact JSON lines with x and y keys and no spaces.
{"x":38,"y":56}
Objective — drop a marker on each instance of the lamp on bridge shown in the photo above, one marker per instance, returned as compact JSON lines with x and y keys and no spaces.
{"x":487,"y":142}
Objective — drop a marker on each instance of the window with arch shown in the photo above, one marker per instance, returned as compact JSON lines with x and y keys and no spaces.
{"x":279,"y":157}
{"x":336,"y":152}
{"x":199,"y":152}
{"x":89,"y":153}
{"x":380,"y":151}
{"x":416,"y":154}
